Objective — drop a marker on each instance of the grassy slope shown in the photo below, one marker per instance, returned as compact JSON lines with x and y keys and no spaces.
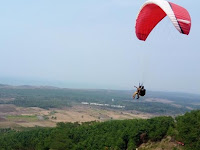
{"x":164,"y":144}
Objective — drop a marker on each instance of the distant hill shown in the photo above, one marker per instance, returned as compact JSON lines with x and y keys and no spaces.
{"x":26,"y":87}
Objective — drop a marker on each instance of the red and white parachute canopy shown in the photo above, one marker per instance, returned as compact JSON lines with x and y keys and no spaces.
{"x":153,"y":11}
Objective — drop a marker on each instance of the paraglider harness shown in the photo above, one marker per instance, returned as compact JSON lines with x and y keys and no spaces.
{"x":142,"y":90}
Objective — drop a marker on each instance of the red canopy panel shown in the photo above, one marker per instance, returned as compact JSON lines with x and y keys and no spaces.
{"x":153,"y":11}
{"x":183,"y":18}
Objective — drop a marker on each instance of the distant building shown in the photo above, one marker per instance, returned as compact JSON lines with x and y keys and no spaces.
{"x":85,"y":103}
{"x":98,"y":104}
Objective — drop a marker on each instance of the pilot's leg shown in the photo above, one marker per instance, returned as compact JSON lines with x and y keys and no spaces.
{"x":138,"y":96}
{"x":135,"y":95}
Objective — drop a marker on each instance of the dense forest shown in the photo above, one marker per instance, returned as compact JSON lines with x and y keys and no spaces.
{"x":27,"y":96}
{"x":115,"y":134}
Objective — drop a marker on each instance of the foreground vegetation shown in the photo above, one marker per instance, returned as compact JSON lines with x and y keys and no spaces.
{"x":124,"y":134}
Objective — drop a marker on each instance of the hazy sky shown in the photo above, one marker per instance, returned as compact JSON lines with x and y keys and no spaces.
{"x":92,"y":44}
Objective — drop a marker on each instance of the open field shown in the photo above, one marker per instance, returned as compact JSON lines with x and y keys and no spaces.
{"x":29,"y":106}
{"x":157,"y":103}
{"x":13,"y":116}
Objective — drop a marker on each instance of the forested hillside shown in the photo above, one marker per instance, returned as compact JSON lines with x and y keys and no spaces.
{"x":124,"y":134}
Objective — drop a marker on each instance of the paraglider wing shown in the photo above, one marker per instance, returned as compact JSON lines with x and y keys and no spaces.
{"x":153,"y":11}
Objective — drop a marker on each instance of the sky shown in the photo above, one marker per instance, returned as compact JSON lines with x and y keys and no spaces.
{"x":92,"y":44}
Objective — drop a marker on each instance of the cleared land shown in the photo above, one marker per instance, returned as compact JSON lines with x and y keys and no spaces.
{"x":15,"y":117}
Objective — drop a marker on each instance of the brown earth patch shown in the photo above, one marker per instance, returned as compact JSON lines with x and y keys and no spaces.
{"x":39,"y":123}
{"x":49,"y":118}
{"x":6,"y":108}
{"x":2,"y":119}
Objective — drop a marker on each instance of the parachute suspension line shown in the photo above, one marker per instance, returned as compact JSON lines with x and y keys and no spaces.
{"x":142,"y":64}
